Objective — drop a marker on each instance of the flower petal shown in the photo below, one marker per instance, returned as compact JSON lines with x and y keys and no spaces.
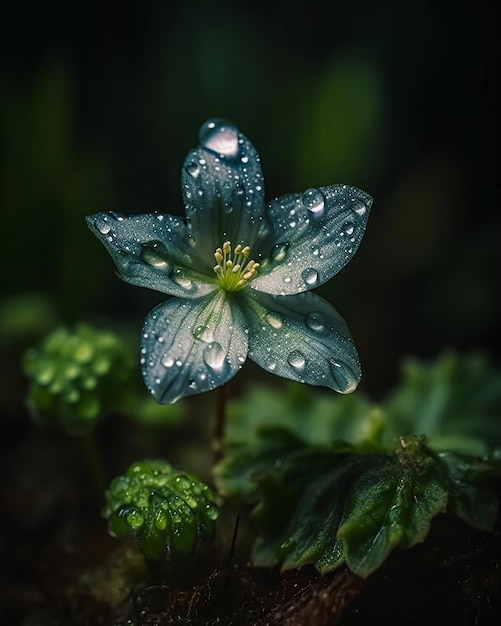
{"x":302,"y":337}
{"x":223,"y":189}
{"x":192,"y":346}
{"x":316,"y":234}
{"x":153,"y":251}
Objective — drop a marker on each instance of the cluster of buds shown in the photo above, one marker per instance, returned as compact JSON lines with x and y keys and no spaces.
{"x":77,"y":377}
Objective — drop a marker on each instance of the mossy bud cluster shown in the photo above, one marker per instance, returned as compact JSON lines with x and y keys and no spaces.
{"x":167,"y":511}
{"x":78,"y":376}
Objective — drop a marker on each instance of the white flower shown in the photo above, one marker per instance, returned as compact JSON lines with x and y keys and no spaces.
{"x":239,"y":274}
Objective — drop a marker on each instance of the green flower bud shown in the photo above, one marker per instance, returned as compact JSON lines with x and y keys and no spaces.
{"x":77,"y":377}
{"x":166,"y":510}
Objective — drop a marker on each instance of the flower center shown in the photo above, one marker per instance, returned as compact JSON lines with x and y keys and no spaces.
{"x":233,"y":268}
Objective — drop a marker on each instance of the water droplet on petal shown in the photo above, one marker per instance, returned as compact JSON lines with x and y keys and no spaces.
{"x":310,"y":276}
{"x":214,"y":355}
{"x":240,"y":359}
{"x":346,"y":383}
{"x":349,"y":227}
{"x":296,"y":360}
{"x":279,"y":252}
{"x":220,"y":137}
{"x":182,"y":280}
{"x":203,"y":333}
{"x":274,"y":320}
{"x":358,"y":207}
{"x":314,"y":201}
{"x":193,"y":169}
{"x":315,"y":322}
{"x":155,"y":253}
{"x":167,"y":361}
{"x":102,"y":225}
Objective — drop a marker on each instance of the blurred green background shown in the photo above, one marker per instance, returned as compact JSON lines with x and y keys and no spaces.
{"x":100,"y":103}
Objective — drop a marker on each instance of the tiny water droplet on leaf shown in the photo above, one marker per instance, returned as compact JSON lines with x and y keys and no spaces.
{"x":296,"y":360}
{"x":314,"y":201}
{"x":310,"y":276}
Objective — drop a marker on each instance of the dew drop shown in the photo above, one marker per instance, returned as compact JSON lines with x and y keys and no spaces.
{"x":211,"y":511}
{"x":315,"y":322}
{"x":135,"y":519}
{"x":214,"y":355}
{"x":193,"y":169}
{"x":167,"y":361}
{"x":349,"y":227}
{"x":274,"y":320}
{"x":203,"y":333}
{"x":102,"y":225}
{"x":310,"y":276}
{"x":155,"y":253}
{"x":345,"y":382}
{"x":279,"y":252}
{"x":358,"y":207}
{"x":220,"y":137}
{"x":296,"y":360}
{"x":240,"y":359}
{"x":182,"y":280}
{"x":272,"y":366}
{"x":314,"y":201}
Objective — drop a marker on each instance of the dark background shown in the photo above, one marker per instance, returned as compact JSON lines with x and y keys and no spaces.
{"x":100,"y":102}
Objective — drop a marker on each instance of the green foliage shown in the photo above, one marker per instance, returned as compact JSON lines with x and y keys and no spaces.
{"x":167,"y":511}
{"x":456,"y":402}
{"x":339,"y":480}
{"x":350,"y":418}
{"x":77,"y":377}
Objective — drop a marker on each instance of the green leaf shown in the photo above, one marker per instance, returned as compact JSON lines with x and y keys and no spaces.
{"x":455,"y":401}
{"x":337,"y":480}
{"x":244,"y":463}
{"x":316,"y":418}
{"x":349,"y":507}
{"x":471,"y":495}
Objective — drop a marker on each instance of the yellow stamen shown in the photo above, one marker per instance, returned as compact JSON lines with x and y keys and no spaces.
{"x":233,"y":269}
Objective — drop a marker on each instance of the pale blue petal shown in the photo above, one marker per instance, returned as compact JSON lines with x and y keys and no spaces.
{"x":153,"y":251}
{"x":192,"y":346}
{"x":315,"y":235}
{"x":223,"y":190}
{"x":302,"y":337}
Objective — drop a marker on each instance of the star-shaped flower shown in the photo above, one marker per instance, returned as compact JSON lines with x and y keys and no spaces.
{"x":239,"y":274}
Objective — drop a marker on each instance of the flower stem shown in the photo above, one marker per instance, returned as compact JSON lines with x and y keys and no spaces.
{"x":219,"y":424}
